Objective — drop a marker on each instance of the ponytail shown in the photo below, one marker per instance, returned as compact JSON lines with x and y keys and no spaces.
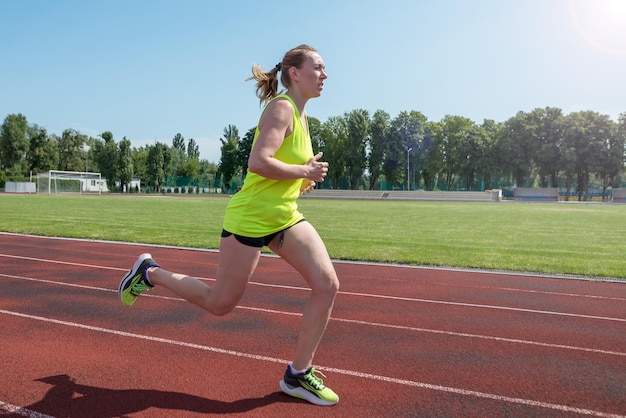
{"x":267,"y":82}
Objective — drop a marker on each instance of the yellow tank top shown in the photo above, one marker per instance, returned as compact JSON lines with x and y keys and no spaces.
{"x":264,"y":206}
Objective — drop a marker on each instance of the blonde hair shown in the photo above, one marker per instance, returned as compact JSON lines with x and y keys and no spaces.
{"x":267,"y":82}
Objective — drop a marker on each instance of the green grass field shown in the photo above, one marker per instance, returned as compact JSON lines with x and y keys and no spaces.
{"x":577,"y":239}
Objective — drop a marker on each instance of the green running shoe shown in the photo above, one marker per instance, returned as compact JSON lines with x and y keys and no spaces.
{"x":135,"y":281}
{"x":309,"y":387}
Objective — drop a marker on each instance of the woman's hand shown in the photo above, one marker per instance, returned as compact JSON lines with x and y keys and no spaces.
{"x":316,"y":170}
{"x":307,"y":186}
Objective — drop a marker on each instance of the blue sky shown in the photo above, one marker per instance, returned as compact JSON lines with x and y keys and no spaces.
{"x":147,"y":70}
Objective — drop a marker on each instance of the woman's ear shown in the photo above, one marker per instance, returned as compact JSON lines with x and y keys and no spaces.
{"x":293,"y":73}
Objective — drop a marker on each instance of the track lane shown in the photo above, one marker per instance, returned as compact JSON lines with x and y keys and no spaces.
{"x":423,"y":358}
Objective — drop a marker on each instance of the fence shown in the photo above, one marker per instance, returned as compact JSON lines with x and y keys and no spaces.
{"x":20,"y":187}
{"x":536,"y":194}
{"x":418,"y":195}
{"x":618,"y":196}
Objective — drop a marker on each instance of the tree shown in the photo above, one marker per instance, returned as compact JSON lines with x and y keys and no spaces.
{"x":519,"y":141}
{"x":357,"y":131}
{"x":178,"y":142}
{"x":71,"y":151}
{"x":456,"y":148}
{"x":583,"y":137}
{"x":621,"y":145}
{"x":140,"y":161}
{"x":43,"y":154}
{"x":608,"y":161}
{"x":392,"y":156}
{"x":189,"y":165}
{"x":471,"y":151}
{"x":244,"y":147}
{"x":208,"y":173}
{"x":178,"y":156}
{"x":106,"y":157}
{"x":488,"y":158}
{"x":125,"y":165}
{"x":547,"y":126}
{"x":379,"y":127}
{"x":315,"y":128}
{"x":333,"y":136}
{"x":228,"y":163}
{"x":155,"y":166}
{"x":403,"y":148}
{"x":315,"y":132}
{"x":432,"y":157}
{"x":193,"y":151}
{"x":14,"y":145}
{"x":189,"y":169}
{"x":410,"y":127}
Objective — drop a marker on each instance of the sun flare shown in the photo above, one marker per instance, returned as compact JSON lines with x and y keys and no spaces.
{"x":617,"y":7}
{"x":601,"y":23}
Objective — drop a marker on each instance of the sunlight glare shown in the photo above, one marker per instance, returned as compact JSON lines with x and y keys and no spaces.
{"x":616,"y":7}
{"x":601,"y":23}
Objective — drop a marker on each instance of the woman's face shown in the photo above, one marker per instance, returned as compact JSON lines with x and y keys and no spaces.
{"x":311,"y":75}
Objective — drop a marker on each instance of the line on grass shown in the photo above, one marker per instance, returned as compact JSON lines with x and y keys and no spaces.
{"x":366,"y":263}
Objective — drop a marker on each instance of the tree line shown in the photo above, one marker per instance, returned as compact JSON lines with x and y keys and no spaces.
{"x":27,"y":149}
{"x":578,"y":152}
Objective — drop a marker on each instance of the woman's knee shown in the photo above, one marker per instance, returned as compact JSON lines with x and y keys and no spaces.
{"x":221,"y":309}
{"x":327,"y":285}
{"x":334,"y":285}
{"x":222,"y":302}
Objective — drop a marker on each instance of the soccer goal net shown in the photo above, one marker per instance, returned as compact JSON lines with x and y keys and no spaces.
{"x":56,"y":181}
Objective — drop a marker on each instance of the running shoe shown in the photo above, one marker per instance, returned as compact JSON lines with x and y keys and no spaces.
{"x":135,"y":281}
{"x":308,"y":386}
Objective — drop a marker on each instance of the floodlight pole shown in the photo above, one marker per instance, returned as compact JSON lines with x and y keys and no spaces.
{"x":408,"y":172}
{"x":86,"y":148}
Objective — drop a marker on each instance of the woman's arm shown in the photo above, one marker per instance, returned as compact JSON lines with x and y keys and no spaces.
{"x":276,"y":123}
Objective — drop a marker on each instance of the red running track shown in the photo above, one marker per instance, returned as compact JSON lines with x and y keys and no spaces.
{"x":402,"y":342}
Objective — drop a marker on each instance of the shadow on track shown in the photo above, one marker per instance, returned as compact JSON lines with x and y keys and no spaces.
{"x":69,"y":399}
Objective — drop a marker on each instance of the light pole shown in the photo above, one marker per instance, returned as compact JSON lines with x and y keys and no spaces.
{"x":86,"y":148}
{"x":408,"y":173}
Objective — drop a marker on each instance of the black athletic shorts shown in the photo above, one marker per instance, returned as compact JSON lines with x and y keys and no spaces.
{"x":261,"y":241}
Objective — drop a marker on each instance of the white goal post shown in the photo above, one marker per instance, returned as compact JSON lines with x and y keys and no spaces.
{"x":57,"y":181}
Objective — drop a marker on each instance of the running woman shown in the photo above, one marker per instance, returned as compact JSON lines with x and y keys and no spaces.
{"x":264,"y":213}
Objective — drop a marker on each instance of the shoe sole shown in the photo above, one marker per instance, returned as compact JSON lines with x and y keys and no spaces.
{"x":301,"y":393}
{"x":129,"y":276}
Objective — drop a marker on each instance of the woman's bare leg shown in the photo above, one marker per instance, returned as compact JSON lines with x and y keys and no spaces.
{"x":303,"y":249}
{"x":236,"y":265}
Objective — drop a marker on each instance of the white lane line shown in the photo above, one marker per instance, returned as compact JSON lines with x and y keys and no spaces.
{"x":528,"y":274}
{"x":22,"y":411}
{"x":493,"y":307}
{"x":539,"y":292}
{"x":352,"y":321}
{"x":368,"y":295}
{"x":452,"y":333}
{"x":44,"y":260}
{"x":369,"y":376}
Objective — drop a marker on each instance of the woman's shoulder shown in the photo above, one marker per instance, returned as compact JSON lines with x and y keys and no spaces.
{"x":283,"y":102}
{"x":280,"y":107}
{"x":278,"y":112}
